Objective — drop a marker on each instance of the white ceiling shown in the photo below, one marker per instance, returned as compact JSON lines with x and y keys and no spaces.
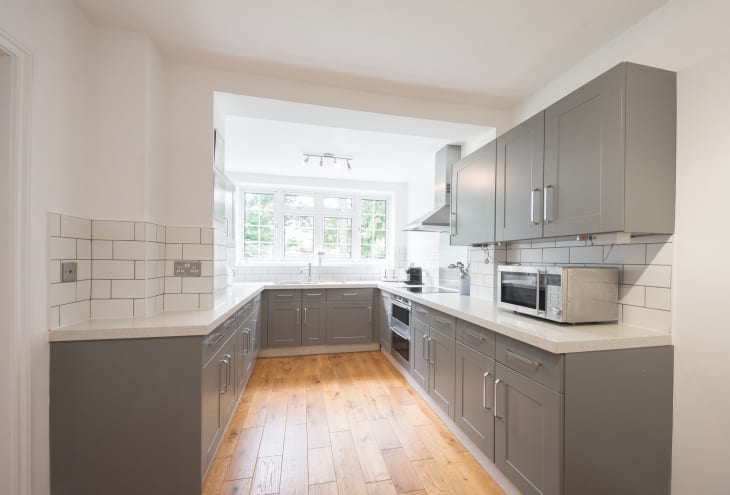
{"x":476,"y":51}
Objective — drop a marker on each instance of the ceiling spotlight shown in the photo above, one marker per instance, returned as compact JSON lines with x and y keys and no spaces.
{"x":349,"y":167}
{"x":334,"y":163}
{"x":321,"y":161}
{"x":306,"y":160}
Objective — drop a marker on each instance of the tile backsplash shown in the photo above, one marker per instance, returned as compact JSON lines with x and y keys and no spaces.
{"x":644,"y":264}
{"x":126,"y":268}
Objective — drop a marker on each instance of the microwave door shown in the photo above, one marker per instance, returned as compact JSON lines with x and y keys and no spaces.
{"x":520,"y":289}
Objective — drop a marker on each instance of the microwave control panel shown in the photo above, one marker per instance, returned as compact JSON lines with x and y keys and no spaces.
{"x":554,"y":295}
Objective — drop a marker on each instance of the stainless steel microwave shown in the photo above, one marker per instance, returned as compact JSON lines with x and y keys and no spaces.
{"x":562,"y":294}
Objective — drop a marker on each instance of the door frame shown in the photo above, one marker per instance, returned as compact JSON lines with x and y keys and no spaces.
{"x":17,"y":266}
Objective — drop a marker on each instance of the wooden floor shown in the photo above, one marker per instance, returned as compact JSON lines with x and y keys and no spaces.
{"x":345,"y":424}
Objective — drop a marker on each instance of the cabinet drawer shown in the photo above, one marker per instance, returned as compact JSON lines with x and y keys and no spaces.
{"x":350,"y":294}
{"x":314,"y":295}
{"x":478,"y":338}
{"x":543,"y":367}
{"x":285,"y":295}
{"x":421,"y":314}
{"x":217,"y":338}
{"x":443,"y":323}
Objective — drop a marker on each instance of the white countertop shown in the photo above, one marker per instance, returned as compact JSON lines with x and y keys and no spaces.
{"x":551,"y":337}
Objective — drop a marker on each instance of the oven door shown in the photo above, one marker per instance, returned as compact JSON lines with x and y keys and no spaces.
{"x":400,"y":344}
{"x":522,"y":289}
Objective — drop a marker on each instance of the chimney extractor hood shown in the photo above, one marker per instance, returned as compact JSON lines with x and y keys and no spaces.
{"x":438,"y":220}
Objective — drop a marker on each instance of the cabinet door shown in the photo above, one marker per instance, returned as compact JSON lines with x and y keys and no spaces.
{"x":420,"y":345}
{"x":213,"y":376}
{"x":528,"y":429}
{"x":584,"y":159}
{"x":473,"y":197}
{"x":519,"y":180}
{"x":228,"y":383}
{"x":349,"y":322}
{"x":313,"y":323}
{"x":474,"y":401}
{"x":442,"y":382}
{"x":384,"y":323}
{"x":241,"y":358}
{"x":284,"y":326}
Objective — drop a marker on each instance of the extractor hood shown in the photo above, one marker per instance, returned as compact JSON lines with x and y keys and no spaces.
{"x":438,"y":220}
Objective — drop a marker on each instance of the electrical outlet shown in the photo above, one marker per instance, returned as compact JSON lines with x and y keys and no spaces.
{"x":188,"y":268}
{"x":69,"y":270}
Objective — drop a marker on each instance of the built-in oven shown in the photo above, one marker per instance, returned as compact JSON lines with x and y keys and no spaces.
{"x":400,"y":329}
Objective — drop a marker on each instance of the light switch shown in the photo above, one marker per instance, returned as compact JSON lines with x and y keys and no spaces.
{"x":69,"y":271}
{"x":188,"y":268}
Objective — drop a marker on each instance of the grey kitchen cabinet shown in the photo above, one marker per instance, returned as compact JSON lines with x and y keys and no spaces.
{"x":442,"y":360}
{"x":284,"y":323}
{"x":473,"y":197}
{"x":314,"y":317}
{"x":421,"y":369}
{"x":474,"y":399}
{"x":384,"y":320}
{"x":520,"y":154}
{"x":228,"y":389}
{"x":349,"y":322}
{"x":213,"y":382}
{"x":610,"y":155}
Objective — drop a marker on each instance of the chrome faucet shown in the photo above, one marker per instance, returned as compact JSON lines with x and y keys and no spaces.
{"x":308,"y":270}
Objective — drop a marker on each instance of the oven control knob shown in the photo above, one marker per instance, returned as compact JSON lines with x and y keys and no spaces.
{"x":556,"y":311}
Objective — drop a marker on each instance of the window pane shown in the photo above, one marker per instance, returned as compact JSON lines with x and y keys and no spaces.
{"x":258,"y":225}
{"x":338,"y":237}
{"x":373,"y":228}
{"x":338,"y":203}
{"x":298,"y":201}
{"x":298,"y":236}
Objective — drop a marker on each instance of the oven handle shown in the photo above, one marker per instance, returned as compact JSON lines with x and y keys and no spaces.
{"x":395,"y":302}
{"x":399,"y":333}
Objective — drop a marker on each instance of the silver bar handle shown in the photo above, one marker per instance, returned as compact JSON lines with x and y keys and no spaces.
{"x":217,"y":339}
{"x":534,"y":215}
{"x":548,"y":205}
{"x":370,"y":314}
{"x":484,"y":390}
{"x":522,"y":359}
{"x":298,"y":318}
{"x":285,"y":295}
{"x":423,"y":353}
{"x":441,"y":320}
{"x":224,"y":386}
{"x":305,"y":316}
{"x":496,"y":382}
{"x":227,"y":359}
{"x":349,"y":294}
{"x":430,"y":351}
{"x":313,"y":294}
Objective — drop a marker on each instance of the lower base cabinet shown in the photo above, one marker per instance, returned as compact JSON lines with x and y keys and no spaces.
{"x":421,"y":369}
{"x":474,"y":412}
{"x":349,"y":322}
{"x":441,"y":382}
{"x":384,"y":320}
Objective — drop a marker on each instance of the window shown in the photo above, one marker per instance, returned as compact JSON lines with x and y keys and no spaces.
{"x":258,"y":225}
{"x":372,"y":229}
{"x":286,"y":225}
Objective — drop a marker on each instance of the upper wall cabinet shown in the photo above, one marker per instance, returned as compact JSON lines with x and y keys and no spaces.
{"x":473,"y":197}
{"x":609,"y":161}
{"x":519,"y":180}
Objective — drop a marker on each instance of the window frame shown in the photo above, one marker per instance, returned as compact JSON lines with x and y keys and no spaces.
{"x":319,"y":212}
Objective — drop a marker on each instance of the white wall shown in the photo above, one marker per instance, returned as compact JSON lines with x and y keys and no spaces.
{"x":702,"y":340}
{"x":6,"y":403}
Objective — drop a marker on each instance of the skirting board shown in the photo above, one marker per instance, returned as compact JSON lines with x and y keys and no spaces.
{"x":483,"y":460}
{"x":317,"y":349}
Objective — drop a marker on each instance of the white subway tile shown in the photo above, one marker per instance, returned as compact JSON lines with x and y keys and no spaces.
{"x":74,"y":313}
{"x":54,"y":271}
{"x":139,"y":231}
{"x":513,"y":255}
{"x":140,"y":269}
{"x":659,"y":254}
{"x":83,"y":270}
{"x":183,"y":235}
{"x":78,"y":228}
{"x":173,"y":285}
{"x":101,"y":289}
{"x":83,"y":249}
{"x":587,"y":254}
{"x":112,"y":230}
{"x":154,"y":287}
{"x":128,"y":289}
{"x":178,"y":302}
{"x":625,"y":254}
{"x":112,"y":269}
{"x":54,"y":317}
{"x":197,"y":252}
{"x":197,"y":284}
{"x":129,"y":250}
{"x":140,"y":308}
{"x":556,"y":255}
{"x":150,"y":232}
{"x":531,"y":256}
{"x":62,"y":248}
{"x":62,"y":293}
{"x":206,"y":268}
{"x":54,"y":224}
{"x":649,"y":275}
{"x":206,"y":301}
{"x":631,"y":294}
{"x":647,"y":318}
{"x":173,"y":251}
{"x":520,"y":244}
{"x":206,"y":236}
{"x":112,"y":308}
{"x":161,"y":233}
{"x":101,"y":250}
{"x":658,"y":298}
{"x":83,"y":290}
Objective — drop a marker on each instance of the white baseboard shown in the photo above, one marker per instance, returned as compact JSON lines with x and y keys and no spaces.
{"x":317,"y":349}
{"x":482,"y":459}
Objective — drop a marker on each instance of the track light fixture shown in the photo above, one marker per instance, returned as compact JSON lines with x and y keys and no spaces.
{"x":328,"y":158}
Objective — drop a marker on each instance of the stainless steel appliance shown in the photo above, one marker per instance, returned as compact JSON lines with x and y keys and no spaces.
{"x":414,"y":275}
{"x":400,"y":330}
{"x":562,"y":294}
